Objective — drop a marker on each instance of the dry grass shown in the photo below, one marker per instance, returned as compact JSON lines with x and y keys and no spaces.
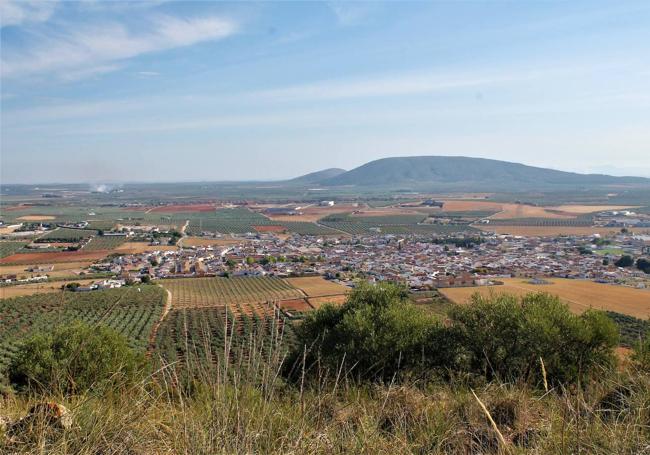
{"x":552,"y":231}
{"x":36,"y":218}
{"x":580,"y":295}
{"x":206,"y":241}
{"x":54,"y":258}
{"x":36,"y":288}
{"x":317,"y":286}
{"x":314,"y":213}
{"x":63,"y":269}
{"x":582,"y":209}
{"x":142,"y":247}
{"x":247,"y":408}
{"x":318,"y":302}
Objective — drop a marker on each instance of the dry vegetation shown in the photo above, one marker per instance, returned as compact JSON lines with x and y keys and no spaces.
{"x":54,"y":257}
{"x":580,"y":295}
{"x":60,"y":270}
{"x":317,"y":286}
{"x":553,"y":231}
{"x":36,"y":288}
{"x":142,"y":247}
{"x":207,"y":241}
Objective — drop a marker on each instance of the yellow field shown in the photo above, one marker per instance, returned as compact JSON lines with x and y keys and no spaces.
{"x":142,"y":247}
{"x":318,"y":302}
{"x":551,"y":231}
{"x":317,"y":287}
{"x":580,"y":295}
{"x":60,"y":269}
{"x":36,"y":288}
{"x":36,"y":218}
{"x":582,"y":209}
{"x":205,"y":241}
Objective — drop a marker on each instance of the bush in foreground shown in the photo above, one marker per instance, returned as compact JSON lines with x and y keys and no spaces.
{"x":377,"y":334}
{"x":508,"y":338}
{"x":73,"y":359}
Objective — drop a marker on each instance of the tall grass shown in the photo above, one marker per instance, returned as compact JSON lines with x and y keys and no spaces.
{"x":236,"y":402}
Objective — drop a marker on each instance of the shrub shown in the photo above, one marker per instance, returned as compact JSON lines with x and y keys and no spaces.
{"x":376,"y":332}
{"x":73,"y":359}
{"x":505,"y":337}
{"x":624,"y":261}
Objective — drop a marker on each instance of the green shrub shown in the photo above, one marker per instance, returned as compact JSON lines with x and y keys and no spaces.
{"x":375,"y":333}
{"x":504,"y":337}
{"x":73,"y":359}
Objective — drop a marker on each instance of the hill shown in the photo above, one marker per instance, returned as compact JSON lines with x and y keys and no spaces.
{"x":458,"y":171}
{"x":319,"y":176}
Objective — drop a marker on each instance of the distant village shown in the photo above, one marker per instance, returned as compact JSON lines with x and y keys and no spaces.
{"x":420,"y":263}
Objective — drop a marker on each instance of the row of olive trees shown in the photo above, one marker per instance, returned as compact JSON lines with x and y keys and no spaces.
{"x":378,"y":334}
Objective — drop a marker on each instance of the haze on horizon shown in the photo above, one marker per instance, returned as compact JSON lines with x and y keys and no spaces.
{"x":206,"y":91}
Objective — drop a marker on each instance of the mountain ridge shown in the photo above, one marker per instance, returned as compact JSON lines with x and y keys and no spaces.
{"x":453,"y":171}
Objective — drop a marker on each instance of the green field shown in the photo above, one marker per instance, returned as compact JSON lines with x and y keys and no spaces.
{"x":9,"y":248}
{"x":206,"y":292}
{"x":101,"y":242}
{"x":132,"y":311}
{"x":391,"y":224}
{"x":66,"y":235}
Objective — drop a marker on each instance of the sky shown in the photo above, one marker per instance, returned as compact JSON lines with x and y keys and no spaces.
{"x":115,"y":91}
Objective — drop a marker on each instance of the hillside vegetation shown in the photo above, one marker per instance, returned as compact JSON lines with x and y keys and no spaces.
{"x":376,"y":375}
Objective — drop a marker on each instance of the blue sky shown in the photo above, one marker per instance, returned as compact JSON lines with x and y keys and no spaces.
{"x":165,"y":91}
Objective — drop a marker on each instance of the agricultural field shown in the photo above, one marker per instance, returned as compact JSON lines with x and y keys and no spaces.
{"x":66,"y":269}
{"x":53,"y":257}
{"x":580,"y":295}
{"x":207,"y":241}
{"x":20,"y":290}
{"x":552,"y":231}
{"x":226,"y":221}
{"x":141,"y":247}
{"x":66,"y":235}
{"x":9,"y":248}
{"x":389,"y":224}
{"x":103,"y":242}
{"x":132,"y":311}
{"x":197,"y":338}
{"x":317,"y":286}
{"x":209,"y":292}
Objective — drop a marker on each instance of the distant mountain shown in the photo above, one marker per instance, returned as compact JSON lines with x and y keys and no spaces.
{"x":319,"y":176}
{"x":458,"y":172}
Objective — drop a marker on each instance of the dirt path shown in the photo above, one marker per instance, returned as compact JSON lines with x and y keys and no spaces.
{"x":183,"y":229}
{"x":154,"y":331}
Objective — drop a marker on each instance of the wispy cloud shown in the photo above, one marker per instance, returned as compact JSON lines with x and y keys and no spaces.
{"x":18,"y":12}
{"x":351,"y":13}
{"x":89,"y":50}
{"x":414,"y":83}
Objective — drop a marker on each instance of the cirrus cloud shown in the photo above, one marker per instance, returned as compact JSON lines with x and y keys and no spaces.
{"x":76,"y":52}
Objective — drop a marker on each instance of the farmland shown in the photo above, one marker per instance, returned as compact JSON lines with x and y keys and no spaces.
{"x":105,"y":242}
{"x":199,"y":337}
{"x":578,"y":294}
{"x":130,"y":311}
{"x":9,"y":248}
{"x":66,"y":235}
{"x":552,"y":231}
{"x":317,"y":286}
{"x":35,"y":288}
{"x":53,"y":257}
{"x":388,"y":224}
{"x":209,"y":292}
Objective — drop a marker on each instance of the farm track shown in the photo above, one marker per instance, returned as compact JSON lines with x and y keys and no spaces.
{"x":154,"y":330}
